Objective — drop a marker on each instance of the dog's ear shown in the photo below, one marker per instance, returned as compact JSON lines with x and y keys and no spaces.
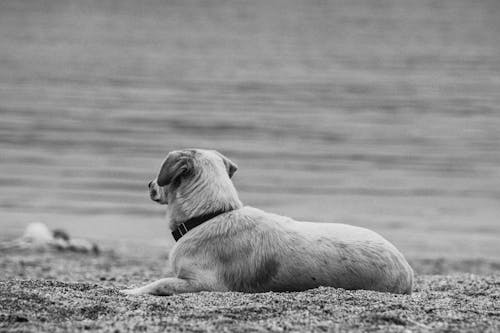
{"x":231,"y":167}
{"x":175,"y":165}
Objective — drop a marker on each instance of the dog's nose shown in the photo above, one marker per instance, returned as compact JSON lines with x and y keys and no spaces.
{"x":150,"y":184}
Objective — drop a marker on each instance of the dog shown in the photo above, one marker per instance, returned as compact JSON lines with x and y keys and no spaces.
{"x":225,"y":246}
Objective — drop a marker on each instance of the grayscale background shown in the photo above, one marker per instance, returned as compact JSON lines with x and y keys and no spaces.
{"x":384,"y":114}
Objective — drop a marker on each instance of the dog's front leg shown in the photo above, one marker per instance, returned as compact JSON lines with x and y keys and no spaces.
{"x":165,"y":287}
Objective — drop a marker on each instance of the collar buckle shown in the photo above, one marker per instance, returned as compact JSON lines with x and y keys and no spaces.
{"x":181,"y":231}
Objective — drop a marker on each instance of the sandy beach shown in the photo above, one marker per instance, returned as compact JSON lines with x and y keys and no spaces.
{"x":58,"y":292}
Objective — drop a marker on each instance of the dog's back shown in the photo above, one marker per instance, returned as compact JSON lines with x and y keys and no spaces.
{"x":252,"y":251}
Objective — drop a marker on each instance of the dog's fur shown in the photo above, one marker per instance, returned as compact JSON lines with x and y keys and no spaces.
{"x":246,"y":249}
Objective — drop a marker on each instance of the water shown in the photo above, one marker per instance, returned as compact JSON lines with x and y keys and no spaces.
{"x":383,"y":114}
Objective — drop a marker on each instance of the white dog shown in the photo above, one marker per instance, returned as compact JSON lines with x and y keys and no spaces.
{"x":224,"y":246}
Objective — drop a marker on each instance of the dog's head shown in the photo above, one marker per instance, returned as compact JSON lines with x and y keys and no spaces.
{"x":187,"y":169}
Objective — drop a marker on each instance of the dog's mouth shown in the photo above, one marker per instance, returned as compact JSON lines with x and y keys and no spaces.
{"x":160,"y":202}
{"x":155,"y":195}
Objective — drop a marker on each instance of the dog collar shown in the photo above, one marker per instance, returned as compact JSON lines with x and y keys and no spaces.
{"x":193,"y":223}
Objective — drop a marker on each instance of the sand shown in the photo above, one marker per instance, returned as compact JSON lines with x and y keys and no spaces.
{"x":53,"y":292}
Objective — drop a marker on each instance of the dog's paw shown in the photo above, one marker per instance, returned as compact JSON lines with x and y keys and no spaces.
{"x":134,"y":292}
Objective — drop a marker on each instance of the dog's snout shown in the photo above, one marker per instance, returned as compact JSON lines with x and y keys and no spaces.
{"x":155,"y":192}
{"x":152,"y":189}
